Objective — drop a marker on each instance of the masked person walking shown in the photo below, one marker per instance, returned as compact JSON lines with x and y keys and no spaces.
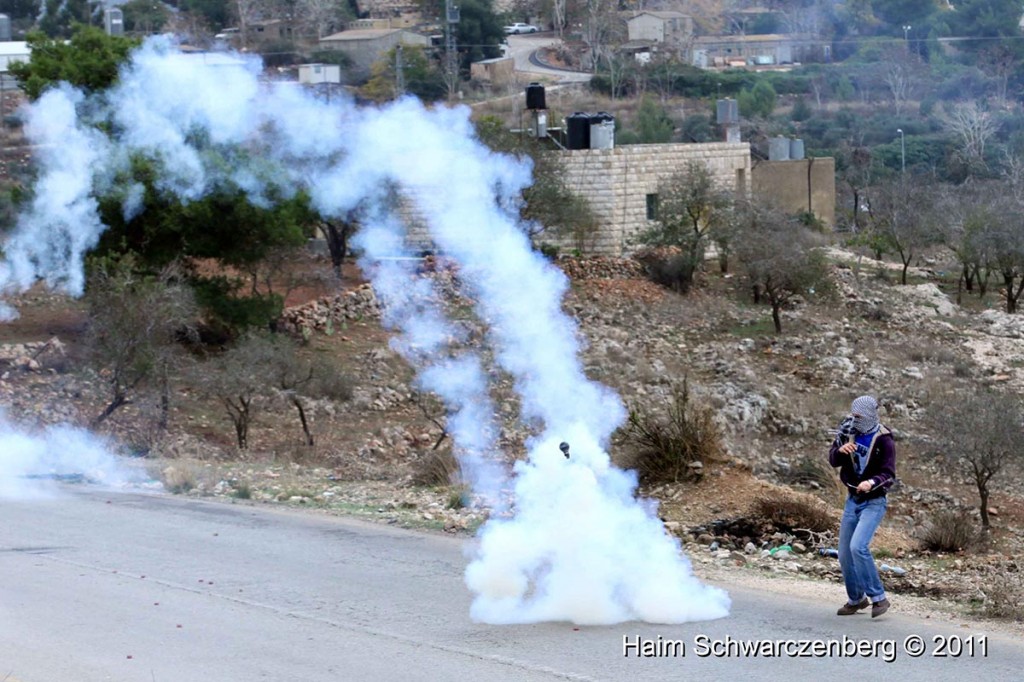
{"x":865,"y":454}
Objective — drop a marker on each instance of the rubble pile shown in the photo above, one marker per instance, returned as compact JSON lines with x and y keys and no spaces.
{"x":601,"y":267}
{"x":322,"y":314}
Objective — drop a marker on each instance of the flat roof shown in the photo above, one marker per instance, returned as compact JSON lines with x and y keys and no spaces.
{"x":757,"y":38}
{"x":14,"y":47}
{"x":361,"y":34}
{"x":663,"y":14}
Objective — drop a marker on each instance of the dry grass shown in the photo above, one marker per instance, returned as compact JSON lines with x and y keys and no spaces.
{"x":676,"y":446}
{"x":1004,"y":597}
{"x":816,"y":469}
{"x":787,"y":510}
{"x":437,"y":468}
{"x":951,"y":531}
{"x":179,"y":478}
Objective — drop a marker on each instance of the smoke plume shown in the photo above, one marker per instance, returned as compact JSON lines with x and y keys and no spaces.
{"x":32,"y":461}
{"x":567,"y":539}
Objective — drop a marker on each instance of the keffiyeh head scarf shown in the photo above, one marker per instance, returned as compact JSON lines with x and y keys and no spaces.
{"x":865,"y":414}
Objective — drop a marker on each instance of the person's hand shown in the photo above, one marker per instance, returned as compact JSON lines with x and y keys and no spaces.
{"x":848,"y":448}
{"x":864,"y":487}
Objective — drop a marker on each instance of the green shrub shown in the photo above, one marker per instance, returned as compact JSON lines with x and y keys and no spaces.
{"x":801,"y":110}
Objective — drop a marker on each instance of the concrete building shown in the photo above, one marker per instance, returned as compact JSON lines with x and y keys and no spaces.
{"x":798,"y":186}
{"x":319,"y":74}
{"x":366,"y":46}
{"x":756,"y":50}
{"x":498,"y":71}
{"x":665,"y":32}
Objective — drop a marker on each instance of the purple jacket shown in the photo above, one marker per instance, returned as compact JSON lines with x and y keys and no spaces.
{"x":880,"y":468}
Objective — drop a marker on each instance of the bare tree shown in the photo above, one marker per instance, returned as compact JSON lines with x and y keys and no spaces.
{"x":806,"y":17}
{"x":819,"y":85}
{"x":301,"y":378}
{"x":965,"y":210}
{"x":902,"y":218}
{"x":237,"y":379}
{"x":322,"y":16}
{"x":780,"y":255}
{"x":618,"y":72}
{"x":900,"y":77}
{"x":134,"y":321}
{"x":336,"y":232}
{"x":974,"y":127}
{"x":857,"y":173}
{"x":1003,"y":240}
{"x":248,"y":12}
{"x":603,"y":29}
{"x":981,"y":439}
{"x":433,"y":410}
{"x":999,"y":63}
{"x":261,"y":366}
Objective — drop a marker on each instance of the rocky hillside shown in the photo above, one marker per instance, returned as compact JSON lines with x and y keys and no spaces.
{"x":774,"y":397}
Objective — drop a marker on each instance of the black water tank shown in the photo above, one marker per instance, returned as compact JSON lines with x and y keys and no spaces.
{"x":579,"y":130}
{"x":535,"y":96}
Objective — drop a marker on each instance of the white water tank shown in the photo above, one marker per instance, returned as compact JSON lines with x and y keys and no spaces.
{"x":796,"y":149}
{"x":778,"y":149}
{"x":602,"y":130}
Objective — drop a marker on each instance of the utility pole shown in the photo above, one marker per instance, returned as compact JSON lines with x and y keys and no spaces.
{"x":399,"y":73}
{"x":451,"y":56}
{"x":903,"y":151}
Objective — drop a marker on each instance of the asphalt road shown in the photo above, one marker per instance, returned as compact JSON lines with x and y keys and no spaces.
{"x":151,"y":588}
{"x":521,"y":47}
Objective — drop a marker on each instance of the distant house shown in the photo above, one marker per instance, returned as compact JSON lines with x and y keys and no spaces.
{"x":402,"y":20}
{"x":497,"y":71}
{"x":757,"y":50}
{"x":663,"y":31}
{"x":269,"y":32}
{"x":366,"y":46}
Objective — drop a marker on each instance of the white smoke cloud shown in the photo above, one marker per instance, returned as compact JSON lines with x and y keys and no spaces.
{"x":575,"y":544}
{"x":62,"y":215}
{"x":32,"y":461}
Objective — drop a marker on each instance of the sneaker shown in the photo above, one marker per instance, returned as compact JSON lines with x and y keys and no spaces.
{"x":849,"y":609}
{"x":879,"y":607}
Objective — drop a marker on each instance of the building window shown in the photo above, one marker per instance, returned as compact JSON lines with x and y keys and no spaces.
{"x":652,"y":206}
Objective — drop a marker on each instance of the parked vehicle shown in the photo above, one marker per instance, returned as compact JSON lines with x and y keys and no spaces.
{"x":517,"y":28}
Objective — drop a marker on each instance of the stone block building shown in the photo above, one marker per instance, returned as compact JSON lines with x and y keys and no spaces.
{"x":621,"y":185}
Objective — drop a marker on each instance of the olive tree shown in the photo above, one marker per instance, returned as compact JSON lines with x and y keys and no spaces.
{"x":902,"y":218}
{"x":262,"y":366}
{"x":689,"y":208}
{"x":981,"y":440}
{"x":133,"y":324}
{"x":299,"y":379}
{"x":780,"y":255}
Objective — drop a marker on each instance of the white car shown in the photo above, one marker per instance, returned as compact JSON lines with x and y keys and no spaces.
{"x":518,"y":28}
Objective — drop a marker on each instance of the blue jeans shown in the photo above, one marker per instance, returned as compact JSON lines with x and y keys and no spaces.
{"x":858,"y":526}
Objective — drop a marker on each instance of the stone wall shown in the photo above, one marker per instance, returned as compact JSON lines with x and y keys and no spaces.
{"x":801,"y":185}
{"x":617,"y":181}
